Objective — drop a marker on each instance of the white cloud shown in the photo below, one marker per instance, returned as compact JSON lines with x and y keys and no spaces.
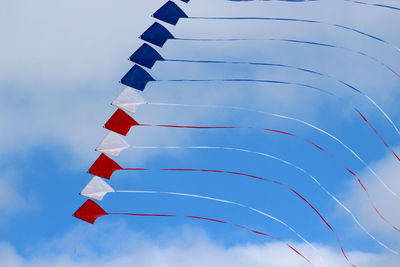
{"x":13,"y":198}
{"x":10,"y":199}
{"x":61,"y":64}
{"x":183,"y":247}
{"x":388,"y":170}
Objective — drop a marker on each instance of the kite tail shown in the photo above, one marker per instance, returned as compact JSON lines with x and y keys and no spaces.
{"x":376,"y":209}
{"x":293,"y":41}
{"x":218,"y":221}
{"x":279,"y":132}
{"x":291,"y":165}
{"x":350,"y":1}
{"x":384,"y":113}
{"x":292,"y":119}
{"x":304,"y":21}
{"x":318,"y":89}
{"x":190,"y":127}
{"x":303,"y":85}
{"x":251,"y":80}
{"x":267,"y":180}
{"x":346,"y":147}
{"x":227,"y":202}
{"x":372,"y":4}
{"x":373,"y":205}
{"x":245,"y":63}
{"x":379,"y":135}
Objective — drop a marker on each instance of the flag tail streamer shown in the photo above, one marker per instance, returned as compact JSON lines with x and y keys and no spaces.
{"x":121,"y":123}
{"x":129,"y":100}
{"x":379,"y":135}
{"x":138,"y":78}
{"x":314,"y":179}
{"x":350,"y":1}
{"x":171,"y":13}
{"x":104,"y":167}
{"x":97,"y":189}
{"x":148,"y":56}
{"x":90,"y":211}
{"x":158,"y":35}
{"x":373,"y":4}
{"x":387,"y":67}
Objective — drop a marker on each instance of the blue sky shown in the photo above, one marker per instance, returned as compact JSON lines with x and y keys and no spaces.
{"x":61,"y":63}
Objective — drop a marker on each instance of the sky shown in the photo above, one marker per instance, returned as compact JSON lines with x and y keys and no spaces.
{"x":60,"y":66}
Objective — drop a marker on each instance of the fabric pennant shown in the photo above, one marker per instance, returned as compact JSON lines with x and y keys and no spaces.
{"x":97,"y":188}
{"x":137,"y":78}
{"x":157,"y":35}
{"x":89,"y":212}
{"x":113,"y":144}
{"x":104,"y":167}
{"x":129,"y":100}
{"x":146,"y":56}
{"x":120,"y":122}
{"x":170,"y":13}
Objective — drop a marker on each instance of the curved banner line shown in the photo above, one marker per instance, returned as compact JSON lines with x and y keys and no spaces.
{"x":373,"y":4}
{"x":226,"y":202}
{"x":90,"y":211}
{"x":369,"y":99}
{"x":380,"y":180}
{"x":303,"y":21}
{"x":379,"y":135}
{"x":348,"y":170}
{"x":350,"y":1}
{"x":305,"y":86}
{"x":249,"y":80}
{"x":217,"y":221}
{"x":267,"y":64}
{"x":315,"y":180}
{"x":293,"y":41}
{"x":267,"y":180}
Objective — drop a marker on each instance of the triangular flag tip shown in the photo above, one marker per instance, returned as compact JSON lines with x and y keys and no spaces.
{"x":137,"y":78}
{"x":104,"y":167}
{"x":157,"y":35}
{"x":120,"y":122}
{"x":113,"y":144}
{"x":129,"y":100}
{"x":170,"y":13}
{"x":146,"y":56}
{"x":97,"y":188}
{"x":89,"y":212}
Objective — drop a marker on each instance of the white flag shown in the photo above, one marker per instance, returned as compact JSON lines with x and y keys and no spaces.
{"x":129,"y":100}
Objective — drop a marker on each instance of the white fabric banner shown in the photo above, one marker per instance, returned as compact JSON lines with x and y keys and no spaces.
{"x":97,"y":188}
{"x":129,"y":100}
{"x":113,"y":144}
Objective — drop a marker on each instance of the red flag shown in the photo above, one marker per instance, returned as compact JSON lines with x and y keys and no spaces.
{"x":104,"y":167}
{"x":120,"y":122}
{"x":89,"y":212}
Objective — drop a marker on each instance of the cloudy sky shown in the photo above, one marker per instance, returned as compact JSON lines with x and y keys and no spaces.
{"x":60,"y":66}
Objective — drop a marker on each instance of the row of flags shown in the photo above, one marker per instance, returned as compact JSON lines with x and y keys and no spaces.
{"x":130,"y":100}
{"x":120,"y":123}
